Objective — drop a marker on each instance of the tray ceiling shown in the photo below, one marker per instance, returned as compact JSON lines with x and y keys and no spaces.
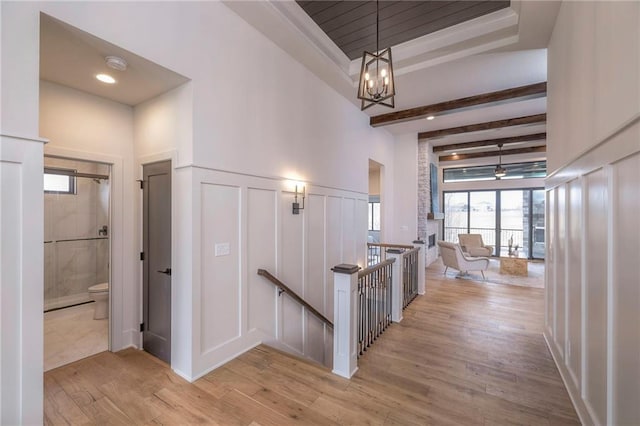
{"x":352,"y":24}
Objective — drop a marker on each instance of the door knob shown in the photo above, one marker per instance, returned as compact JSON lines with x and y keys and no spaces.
{"x":166,"y":271}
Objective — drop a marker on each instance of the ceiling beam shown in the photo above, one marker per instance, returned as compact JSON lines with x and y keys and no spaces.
{"x":484,"y":100}
{"x":530,"y":119}
{"x":470,"y":155}
{"x":490,"y":142}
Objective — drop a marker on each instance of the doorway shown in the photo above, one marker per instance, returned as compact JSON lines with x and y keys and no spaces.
{"x":374,"y":223}
{"x":77,"y":231}
{"x":156,"y":257}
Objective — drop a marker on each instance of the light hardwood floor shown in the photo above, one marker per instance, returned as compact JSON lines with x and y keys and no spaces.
{"x":467,"y":353}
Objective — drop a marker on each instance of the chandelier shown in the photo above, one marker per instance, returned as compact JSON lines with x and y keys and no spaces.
{"x":376,"y":74}
{"x":500,"y":171}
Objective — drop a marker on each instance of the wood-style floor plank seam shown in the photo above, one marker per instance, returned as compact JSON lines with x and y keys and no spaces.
{"x":468,"y":352}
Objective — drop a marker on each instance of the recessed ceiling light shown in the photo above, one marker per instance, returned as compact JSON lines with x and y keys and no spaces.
{"x":454,"y":153}
{"x":431,"y":117}
{"x":106,"y":78}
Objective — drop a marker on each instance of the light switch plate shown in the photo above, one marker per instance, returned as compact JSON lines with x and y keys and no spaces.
{"x":222,"y":249}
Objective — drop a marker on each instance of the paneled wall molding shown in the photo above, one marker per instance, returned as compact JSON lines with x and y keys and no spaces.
{"x":21,"y":276}
{"x":24,"y":137}
{"x":592,"y":290}
{"x":622,"y":142}
{"x":242,"y":223}
{"x":274,"y":178}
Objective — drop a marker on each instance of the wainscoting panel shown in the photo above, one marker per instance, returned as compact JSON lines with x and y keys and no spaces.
{"x":234,"y":309}
{"x":600,"y":363}
{"x":292,"y":245}
{"x":349,"y":231}
{"x":560,"y":268}
{"x":595,"y":390}
{"x":362,"y":235}
{"x":261,"y":254}
{"x":626,"y":293}
{"x":220,"y":286}
{"x":11,"y":294}
{"x":550,"y":269}
{"x":334,"y":247}
{"x":21,"y":276}
{"x":315,"y":280}
{"x":574,"y":282}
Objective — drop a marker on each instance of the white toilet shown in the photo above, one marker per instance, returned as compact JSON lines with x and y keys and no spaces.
{"x":100,"y":294}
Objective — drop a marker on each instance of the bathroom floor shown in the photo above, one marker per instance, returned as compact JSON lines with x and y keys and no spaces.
{"x":71,"y":334}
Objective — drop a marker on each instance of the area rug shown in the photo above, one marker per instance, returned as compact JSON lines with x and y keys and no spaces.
{"x":493,"y":275}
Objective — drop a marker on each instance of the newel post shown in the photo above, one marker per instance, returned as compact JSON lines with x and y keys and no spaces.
{"x":345,"y":320}
{"x":422,"y":256}
{"x":397,"y":292}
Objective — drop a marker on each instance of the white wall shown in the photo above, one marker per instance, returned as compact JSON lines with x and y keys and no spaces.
{"x":374,"y":182}
{"x":255,"y":113}
{"x":82,"y":126}
{"x":592,"y":291}
{"x":405,"y":189}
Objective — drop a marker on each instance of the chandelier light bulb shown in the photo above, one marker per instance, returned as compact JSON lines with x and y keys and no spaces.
{"x":383,"y":72}
{"x":366,"y":76}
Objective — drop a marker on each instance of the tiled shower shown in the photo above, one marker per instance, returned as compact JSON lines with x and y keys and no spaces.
{"x":76,"y":230}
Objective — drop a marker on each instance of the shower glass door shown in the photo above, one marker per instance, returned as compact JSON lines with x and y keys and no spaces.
{"x":76,"y":230}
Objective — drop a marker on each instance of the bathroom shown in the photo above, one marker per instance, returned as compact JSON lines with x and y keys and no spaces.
{"x":76,"y":254}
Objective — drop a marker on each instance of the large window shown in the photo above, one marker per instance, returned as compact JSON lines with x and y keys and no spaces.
{"x":503,"y":217}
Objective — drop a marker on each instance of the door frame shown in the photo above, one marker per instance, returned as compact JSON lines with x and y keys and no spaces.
{"x":171,"y":155}
{"x":117,"y":266}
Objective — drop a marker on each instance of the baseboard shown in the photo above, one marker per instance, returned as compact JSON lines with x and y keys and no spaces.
{"x":574,"y":393}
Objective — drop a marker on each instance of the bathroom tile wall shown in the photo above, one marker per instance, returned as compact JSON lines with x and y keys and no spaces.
{"x":71,"y":267}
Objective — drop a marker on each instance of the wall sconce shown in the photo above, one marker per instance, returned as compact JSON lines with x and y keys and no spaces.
{"x":296,"y":206}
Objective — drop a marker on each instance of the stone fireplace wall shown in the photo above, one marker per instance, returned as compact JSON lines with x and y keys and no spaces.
{"x":426,"y":227}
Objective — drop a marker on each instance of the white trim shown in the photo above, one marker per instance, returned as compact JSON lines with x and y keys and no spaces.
{"x":601,"y":153}
{"x":577,"y":402}
{"x":118,"y":336}
{"x":271,"y":177}
{"x":170,"y":155}
{"x":25,"y":138}
{"x":611,"y":273}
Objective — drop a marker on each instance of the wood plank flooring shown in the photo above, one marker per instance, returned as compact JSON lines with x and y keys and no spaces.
{"x":467,"y":353}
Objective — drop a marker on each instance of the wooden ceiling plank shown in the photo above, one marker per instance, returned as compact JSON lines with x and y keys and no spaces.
{"x":356,"y":41}
{"x":530,"y":119}
{"x":490,"y":142}
{"x":447,"y":106}
{"x":458,"y":157}
{"x":312,"y":8}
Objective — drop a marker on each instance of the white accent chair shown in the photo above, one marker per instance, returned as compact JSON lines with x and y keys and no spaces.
{"x":473,"y":245}
{"x":453,"y":257}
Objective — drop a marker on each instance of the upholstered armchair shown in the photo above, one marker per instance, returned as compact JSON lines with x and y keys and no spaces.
{"x":453,"y":257}
{"x":473,"y":245}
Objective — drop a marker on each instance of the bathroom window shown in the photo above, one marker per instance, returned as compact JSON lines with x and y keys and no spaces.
{"x":59,"y":181}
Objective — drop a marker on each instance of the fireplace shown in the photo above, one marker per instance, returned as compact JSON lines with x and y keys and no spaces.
{"x":431,"y":240}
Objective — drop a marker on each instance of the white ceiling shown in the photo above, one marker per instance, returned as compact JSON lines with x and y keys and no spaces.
{"x":72,"y":57}
{"x":498,"y":51}
{"x":502,"y":50}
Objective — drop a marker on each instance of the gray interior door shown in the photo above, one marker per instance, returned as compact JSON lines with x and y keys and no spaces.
{"x":156,"y":330}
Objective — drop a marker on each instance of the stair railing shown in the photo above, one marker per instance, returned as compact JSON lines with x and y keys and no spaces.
{"x":377,"y":252}
{"x":284,"y":289}
{"x":374,"y":302}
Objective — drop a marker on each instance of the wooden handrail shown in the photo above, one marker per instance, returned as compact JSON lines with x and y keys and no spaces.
{"x":387,"y":245}
{"x":373,"y":268}
{"x":293,"y":295}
